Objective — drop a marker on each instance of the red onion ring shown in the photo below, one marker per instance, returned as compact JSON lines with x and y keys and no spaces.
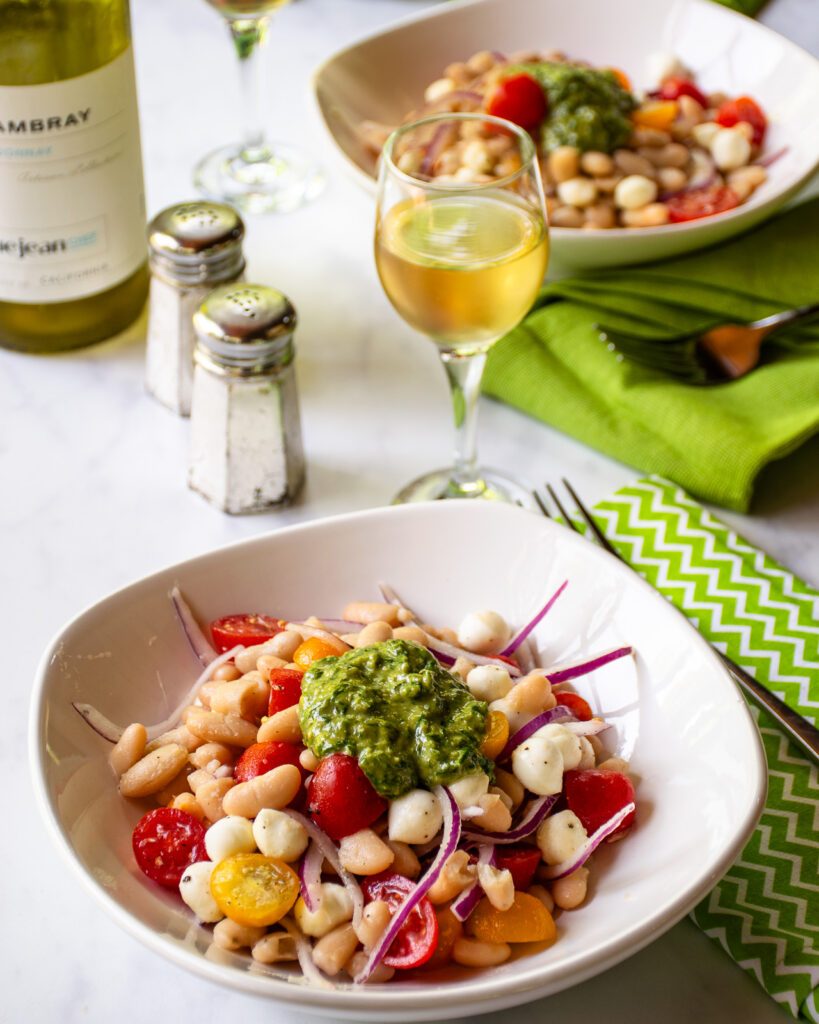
{"x":304,"y":951}
{"x":579,"y":858}
{"x":200,"y":645}
{"x":535,"y":813}
{"x":471,"y":896}
{"x":565,"y":673}
{"x":523,"y":633}
{"x":329,"y":852}
{"x":310,"y":877}
{"x":531,"y":727}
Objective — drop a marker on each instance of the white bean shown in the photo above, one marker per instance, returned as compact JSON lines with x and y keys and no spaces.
{"x":334,"y":908}
{"x":635,"y":191}
{"x":473,"y":953}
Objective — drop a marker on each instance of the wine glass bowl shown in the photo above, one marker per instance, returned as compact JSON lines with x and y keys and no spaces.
{"x":461,"y":257}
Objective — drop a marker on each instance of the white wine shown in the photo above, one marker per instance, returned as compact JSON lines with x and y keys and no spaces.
{"x":463,"y":269}
{"x":72,"y":209}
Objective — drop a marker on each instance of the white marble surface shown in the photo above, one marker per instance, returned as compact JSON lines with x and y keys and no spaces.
{"x":93,"y":495}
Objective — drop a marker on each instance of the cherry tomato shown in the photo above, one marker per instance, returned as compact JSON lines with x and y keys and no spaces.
{"x":743,"y":109}
{"x":450,"y":930}
{"x":259,"y":758}
{"x":701,"y":202}
{"x":340,"y":797}
{"x":415,"y":944}
{"x":313,"y":649}
{"x":596,"y":796}
{"x":519,"y":99}
{"x":254,"y":890}
{"x":243,"y":629}
{"x":285,"y":689}
{"x":521,"y":860}
{"x":674,"y":87}
{"x":575,"y":703}
{"x":527,"y":920}
{"x":166,"y":841}
{"x":622,"y":78}
{"x":497,"y":733}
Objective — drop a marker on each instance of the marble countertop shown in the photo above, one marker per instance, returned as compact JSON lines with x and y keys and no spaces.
{"x":94,"y":496}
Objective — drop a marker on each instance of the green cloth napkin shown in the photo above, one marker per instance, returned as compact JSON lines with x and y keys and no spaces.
{"x":712,"y":440}
{"x":765,"y":911}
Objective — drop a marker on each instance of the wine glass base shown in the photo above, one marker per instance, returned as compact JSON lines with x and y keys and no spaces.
{"x":491,"y":485}
{"x":273,"y":179}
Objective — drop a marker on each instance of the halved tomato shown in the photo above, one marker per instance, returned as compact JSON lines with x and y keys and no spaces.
{"x":418,"y":939}
{"x":246,"y":629}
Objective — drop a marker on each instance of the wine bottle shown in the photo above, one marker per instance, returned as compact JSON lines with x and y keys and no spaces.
{"x":72,"y":208}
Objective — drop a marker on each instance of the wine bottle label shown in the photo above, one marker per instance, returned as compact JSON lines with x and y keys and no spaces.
{"x":72,"y":208}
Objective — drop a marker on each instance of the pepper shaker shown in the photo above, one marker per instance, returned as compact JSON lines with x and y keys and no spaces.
{"x":192,"y":248}
{"x":246,"y":447}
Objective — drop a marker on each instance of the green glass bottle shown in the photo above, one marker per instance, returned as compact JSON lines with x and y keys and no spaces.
{"x":72,"y":208}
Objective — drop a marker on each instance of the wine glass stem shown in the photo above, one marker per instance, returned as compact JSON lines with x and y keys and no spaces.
{"x":249,"y":35}
{"x":464,"y":373}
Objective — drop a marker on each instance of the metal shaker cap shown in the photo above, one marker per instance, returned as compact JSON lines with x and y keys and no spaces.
{"x":244,"y":329}
{"x":198,"y":242}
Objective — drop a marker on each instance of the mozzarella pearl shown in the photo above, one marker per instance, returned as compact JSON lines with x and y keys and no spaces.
{"x":730,"y":149}
{"x":566,"y":742}
{"x":560,"y":836}
{"x":577,"y":192}
{"x":278,"y":835}
{"x":483,"y":632}
{"x":194,"y":888}
{"x":468,"y":790}
{"x":635,"y":191}
{"x":228,"y":836}
{"x":415,"y":817}
{"x":538,"y":764}
{"x":489,"y":682}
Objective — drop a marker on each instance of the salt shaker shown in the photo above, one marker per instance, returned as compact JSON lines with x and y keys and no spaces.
{"x":246,"y":448}
{"x":192,"y":248}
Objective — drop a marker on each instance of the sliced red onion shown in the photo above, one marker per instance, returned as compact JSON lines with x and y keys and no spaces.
{"x":525,"y":658}
{"x":335,"y":625}
{"x":449,"y":843}
{"x":471,"y":897}
{"x":590,"y":728}
{"x":525,"y":731}
{"x":443,"y":135}
{"x":563,"y":674}
{"x":523,"y":633}
{"x":313,"y":631}
{"x":200,"y":645}
{"x":579,"y":858}
{"x":112,"y":732}
{"x":304,"y":951}
{"x":771,"y":158}
{"x":442,"y":650}
{"x":329,"y":852}
{"x":391,"y":597}
{"x":535,"y":813}
{"x":310,"y":876}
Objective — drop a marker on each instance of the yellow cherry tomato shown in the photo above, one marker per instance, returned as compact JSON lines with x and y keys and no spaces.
{"x":527,"y":920}
{"x":656,"y":114}
{"x":497,"y":733}
{"x":313,"y":649}
{"x":254,"y":890}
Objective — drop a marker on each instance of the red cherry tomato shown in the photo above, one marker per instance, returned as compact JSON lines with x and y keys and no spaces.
{"x":340,"y":797}
{"x":674,"y":87}
{"x":417,"y":940}
{"x":701,"y":202}
{"x":259,"y":758}
{"x":521,"y":860}
{"x":596,"y":796}
{"x":743,"y":109}
{"x":575,"y":703}
{"x":285,"y":689}
{"x":243,"y":629}
{"x":519,"y":99}
{"x":166,"y":842}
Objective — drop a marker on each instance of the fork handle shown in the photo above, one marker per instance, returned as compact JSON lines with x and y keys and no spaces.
{"x":797,"y":727}
{"x":789,"y":316}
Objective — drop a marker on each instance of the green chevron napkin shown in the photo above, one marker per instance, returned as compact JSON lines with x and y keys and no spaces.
{"x":765,"y":911}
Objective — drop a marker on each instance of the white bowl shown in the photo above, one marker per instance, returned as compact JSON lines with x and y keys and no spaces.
{"x":383,"y":77}
{"x":676,"y":716}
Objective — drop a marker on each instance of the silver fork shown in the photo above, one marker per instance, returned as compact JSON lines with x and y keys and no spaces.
{"x":798,"y":728}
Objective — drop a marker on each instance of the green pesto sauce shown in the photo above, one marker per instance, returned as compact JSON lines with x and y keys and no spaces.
{"x":588,"y":108}
{"x":409,"y":722}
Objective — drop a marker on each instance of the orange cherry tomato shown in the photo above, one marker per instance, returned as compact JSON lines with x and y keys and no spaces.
{"x":497,"y":733}
{"x":450,"y":930}
{"x":622,"y":78}
{"x":527,"y":920}
{"x":313,"y":649}
{"x":575,"y":703}
{"x":656,"y":114}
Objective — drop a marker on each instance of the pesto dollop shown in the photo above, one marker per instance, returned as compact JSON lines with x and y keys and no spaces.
{"x":409,"y":722}
{"x":588,"y":108}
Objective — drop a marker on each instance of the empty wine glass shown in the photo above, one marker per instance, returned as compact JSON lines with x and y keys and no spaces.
{"x":256,"y":175}
{"x":462,"y":258}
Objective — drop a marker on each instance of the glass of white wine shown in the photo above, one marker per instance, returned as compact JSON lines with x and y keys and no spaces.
{"x":461,"y":257}
{"x":256,"y":175}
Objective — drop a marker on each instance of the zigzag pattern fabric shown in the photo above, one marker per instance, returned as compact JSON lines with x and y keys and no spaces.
{"x":765,"y":911}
